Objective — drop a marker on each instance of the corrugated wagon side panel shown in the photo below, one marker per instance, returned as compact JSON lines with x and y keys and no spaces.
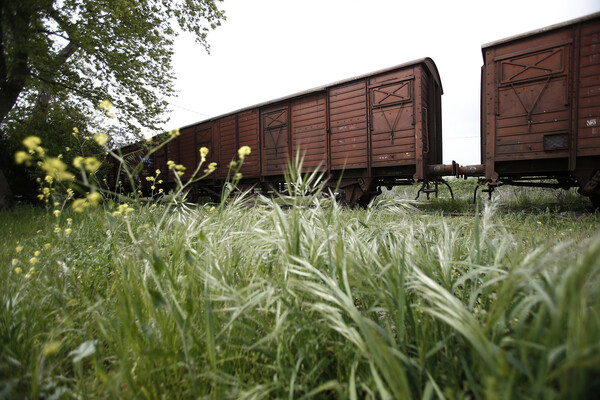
{"x":588,"y":124}
{"x":348,"y":125}
{"x":309,"y":130}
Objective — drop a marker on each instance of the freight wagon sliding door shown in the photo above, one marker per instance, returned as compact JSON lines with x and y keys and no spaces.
{"x":275,"y":132}
{"x":309,"y":132}
{"x":533,"y":105}
{"x":392,"y":124}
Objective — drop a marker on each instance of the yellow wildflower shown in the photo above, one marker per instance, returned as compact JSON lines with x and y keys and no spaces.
{"x":75,"y":131}
{"x":37,"y":253}
{"x":69,"y":221}
{"x":203,"y":154}
{"x":243,"y":152}
{"x":123,"y":209}
{"x":21,"y":157}
{"x":56,"y":230}
{"x":79,"y":205}
{"x":91,"y":164}
{"x":18,"y":270}
{"x":94,"y":198}
{"x":46,"y":246}
{"x":50,"y":348}
{"x":14,"y":262}
{"x":68,"y":231}
{"x":238,"y":175}
{"x":49,"y":179}
{"x":78,"y":162}
{"x":40,"y":151}
{"x":19,"y":249}
{"x":101,"y":138}
{"x":56,"y":213}
{"x":33,"y":261}
{"x":46,"y":191}
{"x":157,"y":172}
{"x":57,"y":169}
{"x":174,"y":133}
{"x":211,"y":167}
{"x":32,"y":142}
{"x":107,"y":107}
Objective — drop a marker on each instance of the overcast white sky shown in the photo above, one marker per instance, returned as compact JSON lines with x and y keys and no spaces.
{"x":273,"y":48}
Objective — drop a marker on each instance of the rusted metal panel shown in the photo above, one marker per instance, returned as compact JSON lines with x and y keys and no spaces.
{"x":348,"y":125}
{"x":309,"y":130}
{"x":275,"y":139}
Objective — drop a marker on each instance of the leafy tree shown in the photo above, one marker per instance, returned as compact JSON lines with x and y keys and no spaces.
{"x":118,"y":50}
{"x":66,"y":56}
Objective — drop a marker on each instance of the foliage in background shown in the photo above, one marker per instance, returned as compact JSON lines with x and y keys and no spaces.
{"x":79,"y":53}
{"x":60,"y":59}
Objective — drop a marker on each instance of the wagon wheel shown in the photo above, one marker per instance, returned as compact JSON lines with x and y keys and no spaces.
{"x":353,"y":196}
{"x":349,"y":195}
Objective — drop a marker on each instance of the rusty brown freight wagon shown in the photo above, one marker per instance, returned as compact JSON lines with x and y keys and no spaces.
{"x":380,"y":129}
{"x":541,"y":108}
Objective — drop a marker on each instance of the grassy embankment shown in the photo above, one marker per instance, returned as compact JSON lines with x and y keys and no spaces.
{"x":395,"y":301}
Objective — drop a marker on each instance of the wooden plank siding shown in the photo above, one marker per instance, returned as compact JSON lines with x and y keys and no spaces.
{"x":541,"y":99}
{"x":309,"y":131}
{"x":588,"y":122}
{"x":348,"y":125}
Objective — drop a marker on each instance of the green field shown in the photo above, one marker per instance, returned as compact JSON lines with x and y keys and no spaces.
{"x":299,"y":298}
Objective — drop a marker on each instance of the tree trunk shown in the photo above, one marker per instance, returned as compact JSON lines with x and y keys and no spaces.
{"x":6,"y":196}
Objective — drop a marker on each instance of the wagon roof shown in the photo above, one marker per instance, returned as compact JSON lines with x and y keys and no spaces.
{"x":540,"y":31}
{"x":428,"y":62}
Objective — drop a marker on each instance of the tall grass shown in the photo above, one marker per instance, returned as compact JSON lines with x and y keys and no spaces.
{"x":295,"y":297}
